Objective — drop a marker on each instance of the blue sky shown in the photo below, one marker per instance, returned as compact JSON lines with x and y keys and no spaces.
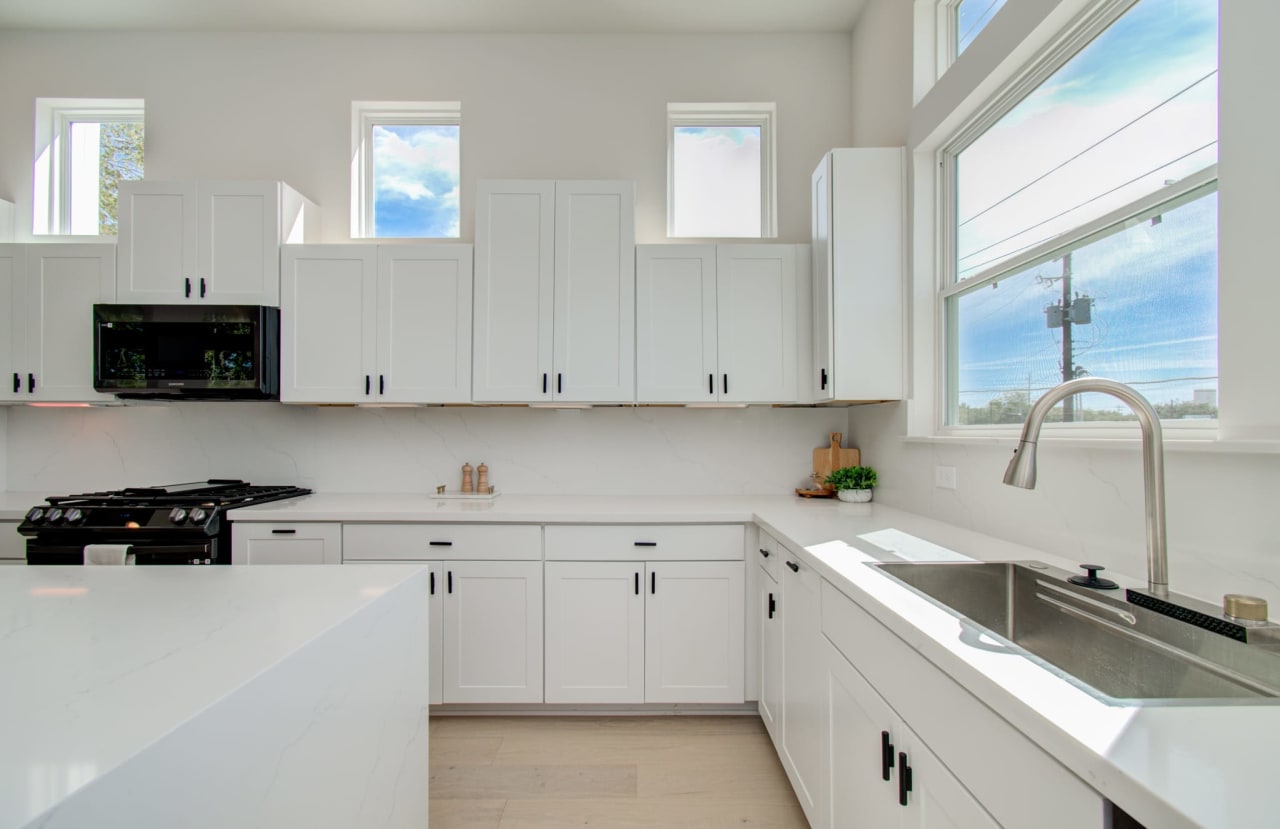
{"x":972,"y":17}
{"x":1137,"y":107}
{"x":415,"y":180}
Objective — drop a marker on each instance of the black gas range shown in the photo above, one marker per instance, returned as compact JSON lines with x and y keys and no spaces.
{"x":170,"y":524}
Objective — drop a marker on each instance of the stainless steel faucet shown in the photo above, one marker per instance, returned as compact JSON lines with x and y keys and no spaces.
{"x":1022,"y":469}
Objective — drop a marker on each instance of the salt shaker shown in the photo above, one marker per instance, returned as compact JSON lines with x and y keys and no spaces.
{"x":482,"y":485}
{"x":467,"y":484}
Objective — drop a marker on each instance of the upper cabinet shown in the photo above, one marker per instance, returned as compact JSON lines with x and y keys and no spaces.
{"x":210,"y":241}
{"x":717,"y":323}
{"x":555,"y":292}
{"x":858,"y":224}
{"x":47,"y":353}
{"x":375,"y":324}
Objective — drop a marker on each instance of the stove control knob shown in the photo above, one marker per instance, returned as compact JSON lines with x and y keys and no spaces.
{"x":75,"y":515}
{"x":198,"y":515}
{"x":55,"y":516}
{"x":177,"y":515}
{"x":36,"y":515}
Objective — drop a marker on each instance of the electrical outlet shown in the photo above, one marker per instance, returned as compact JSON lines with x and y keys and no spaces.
{"x":944,"y":477}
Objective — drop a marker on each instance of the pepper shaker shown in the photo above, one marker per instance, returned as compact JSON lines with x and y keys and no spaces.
{"x":482,"y":485}
{"x":467,"y":484}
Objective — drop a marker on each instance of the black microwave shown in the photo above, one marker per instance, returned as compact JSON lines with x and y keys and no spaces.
{"x":187,"y":352}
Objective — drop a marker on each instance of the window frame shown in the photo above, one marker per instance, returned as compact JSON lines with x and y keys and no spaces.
{"x":51,"y":208}
{"x":762,"y":115}
{"x":365,"y":115}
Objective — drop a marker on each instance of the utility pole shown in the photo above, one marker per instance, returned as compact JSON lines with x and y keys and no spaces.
{"x":1068,"y":370}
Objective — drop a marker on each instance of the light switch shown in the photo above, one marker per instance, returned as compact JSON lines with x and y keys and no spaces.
{"x":944,"y":477}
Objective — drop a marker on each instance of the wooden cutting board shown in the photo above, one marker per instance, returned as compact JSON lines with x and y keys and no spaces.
{"x":829,"y":458}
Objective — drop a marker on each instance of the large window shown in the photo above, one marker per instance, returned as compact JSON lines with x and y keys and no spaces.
{"x":406,"y":160}
{"x":720,"y":170}
{"x":84,"y":149}
{"x":1083,"y":235}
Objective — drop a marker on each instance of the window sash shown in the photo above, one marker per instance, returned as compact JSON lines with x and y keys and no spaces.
{"x":55,"y":117}
{"x":759,"y":115}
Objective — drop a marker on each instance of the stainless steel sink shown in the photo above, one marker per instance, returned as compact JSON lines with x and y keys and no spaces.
{"x":1113,"y":648}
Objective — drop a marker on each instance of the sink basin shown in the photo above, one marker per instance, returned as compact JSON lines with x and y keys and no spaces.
{"x":1111,"y":647}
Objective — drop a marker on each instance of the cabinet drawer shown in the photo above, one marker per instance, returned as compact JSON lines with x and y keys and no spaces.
{"x":305,"y":542}
{"x":645,"y":542}
{"x":769,"y":553}
{"x":423,"y":542}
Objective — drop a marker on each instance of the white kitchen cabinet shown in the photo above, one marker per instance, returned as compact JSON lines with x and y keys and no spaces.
{"x":695,"y":632}
{"x":803,"y":695}
{"x":859,"y":255}
{"x":554,"y":292}
{"x":879,"y":773}
{"x":595,"y":631}
{"x":492,"y":631}
{"x":286,"y":543}
{"x":207,"y":241}
{"x":375,"y":324}
{"x":52,"y":288}
{"x":716,"y":323}
{"x":768,"y":611}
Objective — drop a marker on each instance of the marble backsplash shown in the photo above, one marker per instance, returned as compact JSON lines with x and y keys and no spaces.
{"x":616,"y":450}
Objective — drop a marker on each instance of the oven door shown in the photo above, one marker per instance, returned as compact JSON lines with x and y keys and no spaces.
{"x":202,"y":552}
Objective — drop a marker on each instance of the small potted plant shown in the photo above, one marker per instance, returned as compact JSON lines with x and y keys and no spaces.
{"x":853,"y":483}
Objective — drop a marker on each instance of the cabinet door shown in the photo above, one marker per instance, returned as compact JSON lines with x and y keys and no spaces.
{"x":328,"y":316}
{"x":13,"y":341}
{"x":803,"y":697}
{"x":289,"y":543}
{"x":756,"y":301}
{"x":63,"y":282}
{"x":239,"y":243}
{"x":493,"y":631}
{"x":860,"y":732}
{"x":676,"y":324}
{"x":695,"y":632}
{"x":424,"y":324}
{"x":595,"y":632}
{"x":935,"y":798}
{"x":768,"y":605}
{"x":595,"y":290}
{"x":514,"y":287}
{"x":819,"y":385}
{"x":158,"y":242}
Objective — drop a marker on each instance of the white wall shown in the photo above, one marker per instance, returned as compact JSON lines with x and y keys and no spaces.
{"x":882,"y":74}
{"x":1223,"y":522}
{"x":756,"y":450}
{"x":533,"y":106}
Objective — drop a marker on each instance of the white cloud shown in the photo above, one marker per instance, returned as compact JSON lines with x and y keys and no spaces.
{"x":717,"y":185}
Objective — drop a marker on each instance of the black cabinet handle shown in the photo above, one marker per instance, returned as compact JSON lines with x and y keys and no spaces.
{"x":795,"y":568}
{"x":711,"y":384}
{"x":653,"y":582}
{"x":31,"y":383}
{"x":544,"y":382}
{"x":440,"y":543}
{"x":559,"y":383}
{"x":202,"y":287}
{"x":764,"y":552}
{"x":366,"y":384}
{"x":824,"y":378}
{"x":726,"y":384}
{"x":886,"y":755}
{"x":382,"y":383}
{"x":433,"y":584}
{"x":187,"y":288}
{"x":283,"y":532}
{"x":17,"y":383}
{"x":637,"y":584}
{"x":904,"y":779}
{"x":646,"y":544}
{"x":773,"y":606}
{"x":450,"y":580}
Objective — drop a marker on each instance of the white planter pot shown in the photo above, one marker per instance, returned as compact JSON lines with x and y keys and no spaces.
{"x":856,"y":496}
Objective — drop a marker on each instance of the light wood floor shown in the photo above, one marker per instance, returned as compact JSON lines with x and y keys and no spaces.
{"x":626,"y":772}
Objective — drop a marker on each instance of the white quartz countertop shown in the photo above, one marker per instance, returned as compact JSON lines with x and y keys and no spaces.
{"x":101,"y":663}
{"x":1168,"y":765}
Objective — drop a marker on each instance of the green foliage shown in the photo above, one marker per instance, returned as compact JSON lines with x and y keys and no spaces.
{"x":119,"y":159}
{"x":1012,"y":408}
{"x":852,"y":477}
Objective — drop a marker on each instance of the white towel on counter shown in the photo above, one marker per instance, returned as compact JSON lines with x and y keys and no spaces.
{"x":107,"y":554}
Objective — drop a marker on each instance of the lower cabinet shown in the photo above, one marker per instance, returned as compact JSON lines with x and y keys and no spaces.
{"x":292,"y":543}
{"x":492,"y":631}
{"x":802,"y":692}
{"x":633,"y":632}
{"x":769,"y":608}
{"x":879,"y":774}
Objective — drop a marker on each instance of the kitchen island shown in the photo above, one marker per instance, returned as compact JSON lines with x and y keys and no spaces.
{"x":213,"y":696}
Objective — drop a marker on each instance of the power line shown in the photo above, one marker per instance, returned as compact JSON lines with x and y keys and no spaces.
{"x":1046,"y":388}
{"x":980,"y":21}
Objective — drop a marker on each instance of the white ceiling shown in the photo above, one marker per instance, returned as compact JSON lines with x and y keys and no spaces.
{"x":575,"y":16}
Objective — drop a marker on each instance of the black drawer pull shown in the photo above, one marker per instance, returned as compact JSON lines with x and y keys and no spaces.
{"x":283,"y":532}
{"x":886,"y":755}
{"x":773,"y":606}
{"x":795,"y":568}
{"x":440,"y":543}
{"x":904,"y":779}
{"x":646,"y":544}
{"x":764,"y":552}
